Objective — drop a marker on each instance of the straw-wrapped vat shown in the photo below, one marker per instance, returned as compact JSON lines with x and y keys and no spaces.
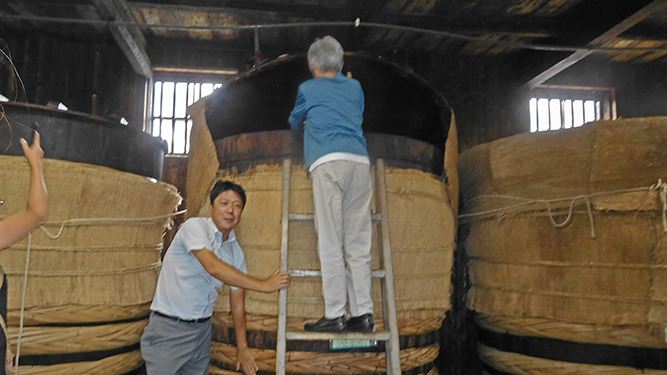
{"x":88,"y":291}
{"x":566,"y":239}
{"x":422,"y":242}
{"x":421,"y":219}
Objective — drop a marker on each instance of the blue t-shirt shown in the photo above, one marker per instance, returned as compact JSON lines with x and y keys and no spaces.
{"x":331,"y":110}
{"x":184,"y":288}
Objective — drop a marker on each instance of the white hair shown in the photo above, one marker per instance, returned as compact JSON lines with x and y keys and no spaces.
{"x":327,"y":54}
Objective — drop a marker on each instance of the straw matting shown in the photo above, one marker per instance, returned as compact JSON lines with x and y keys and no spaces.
{"x":214,"y":370}
{"x":329,"y":363}
{"x":79,"y":313}
{"x":57,"y":340}
{"x":114,"y":365}
{"x":417,"y":338}
{"x":422,"y":234}
{"x":102,"y":263}
{"x":623,"y":335}
{"x":513,"y":363}
{"x":202,"y":158}
{"x":452,"y":165}
{"x":602,"y":277}
{"x":600,"y":156}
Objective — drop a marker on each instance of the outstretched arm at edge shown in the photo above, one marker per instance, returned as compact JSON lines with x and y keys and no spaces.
{"x":16,"y":227}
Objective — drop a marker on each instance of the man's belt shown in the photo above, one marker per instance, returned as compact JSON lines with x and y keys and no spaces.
{"x":200,"y":320}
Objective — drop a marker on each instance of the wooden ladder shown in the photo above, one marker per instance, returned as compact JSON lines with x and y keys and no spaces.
{"x":390,"y":333}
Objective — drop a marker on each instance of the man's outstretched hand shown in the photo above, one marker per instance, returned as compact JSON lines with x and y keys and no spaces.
{"x":245,"y":361}
{"x":279,"y":279}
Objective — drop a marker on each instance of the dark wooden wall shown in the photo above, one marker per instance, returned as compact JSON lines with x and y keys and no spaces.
{"x":641,"y":88}
{"x":490,"y":102}
{"x":188,"y":54}
{"x":90,"y":77}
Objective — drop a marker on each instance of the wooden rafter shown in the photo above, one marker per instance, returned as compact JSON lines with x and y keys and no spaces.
{"x":609,"y":35}
{"x":130,"y":40}
{"x":292,"y":9}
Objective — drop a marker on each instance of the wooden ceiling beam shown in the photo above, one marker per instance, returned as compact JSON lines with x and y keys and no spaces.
{"x":126,"y":15}
{"x":132,"y":47}
{"x":468,"y":26}
{"x":289,"y":9}
{"x":60,"y":2}
{"x":242,"y":45}
{"x":654,"y":6}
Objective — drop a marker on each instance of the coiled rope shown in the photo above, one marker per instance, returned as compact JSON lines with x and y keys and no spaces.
{"x":660,"y":187}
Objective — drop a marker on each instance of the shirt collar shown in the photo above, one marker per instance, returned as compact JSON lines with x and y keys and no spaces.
{"x":216,"y":231}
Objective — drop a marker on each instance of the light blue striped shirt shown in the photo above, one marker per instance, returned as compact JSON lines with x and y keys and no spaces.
{"x":184,"y":288}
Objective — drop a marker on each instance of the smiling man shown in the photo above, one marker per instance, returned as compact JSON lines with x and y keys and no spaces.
{"x":203,"y":256}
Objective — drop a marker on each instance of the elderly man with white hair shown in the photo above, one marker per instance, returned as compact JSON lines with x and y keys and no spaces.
{"x":329,"y":111}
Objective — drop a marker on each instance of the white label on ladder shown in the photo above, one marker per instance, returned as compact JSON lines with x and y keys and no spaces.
{"x":340,"y":344}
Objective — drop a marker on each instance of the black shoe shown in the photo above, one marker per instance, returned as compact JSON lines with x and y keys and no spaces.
{"x":327,"y":325}
{"x":362,"y":324}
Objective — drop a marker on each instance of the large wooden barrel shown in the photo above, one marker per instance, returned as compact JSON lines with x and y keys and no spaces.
{"x":565,"y":234}
{"x":82,"y":138}
{"x":88,"y":290}
{"x":406,"y":123}
{"x":422,"y":243}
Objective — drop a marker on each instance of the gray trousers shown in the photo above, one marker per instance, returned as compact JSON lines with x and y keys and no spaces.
{"x":342,"y":193}
{"x":172,"y":347}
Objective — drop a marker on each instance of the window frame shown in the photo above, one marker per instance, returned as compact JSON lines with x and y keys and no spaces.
{"x":177,"y":76}
{"x":606,"y":96}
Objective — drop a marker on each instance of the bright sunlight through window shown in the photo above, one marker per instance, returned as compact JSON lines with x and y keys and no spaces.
{"x":554,"y":114}
{"x":170,"y":119}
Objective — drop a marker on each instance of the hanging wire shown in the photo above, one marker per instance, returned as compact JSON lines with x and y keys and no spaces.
{"x":15,"y":77}
{"x":355,"y":24}
{"x":18,"y":86}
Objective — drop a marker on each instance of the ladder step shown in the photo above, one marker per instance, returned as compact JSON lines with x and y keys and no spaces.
{"x":309,"y":218}
{"x":314,"y":273}
{"x":323,"y":336}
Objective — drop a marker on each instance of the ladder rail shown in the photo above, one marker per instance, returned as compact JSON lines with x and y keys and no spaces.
{"x":281,"y":344}
{"x":389,"y":304}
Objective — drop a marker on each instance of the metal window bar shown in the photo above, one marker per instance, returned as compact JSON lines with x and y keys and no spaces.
{"x":157,"y":104}
{"x":562,"y":114}
{"x":173,"y":119}
{"x":550,"y":126}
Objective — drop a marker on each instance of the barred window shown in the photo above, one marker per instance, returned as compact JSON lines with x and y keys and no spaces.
{"x":174,"y":90}
{"x":565,"y":107}
{"x":170,"y":119}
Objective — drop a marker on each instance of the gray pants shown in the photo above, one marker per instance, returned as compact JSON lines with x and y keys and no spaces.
{"x":342,"y":193}
{"x":172,"y":347}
